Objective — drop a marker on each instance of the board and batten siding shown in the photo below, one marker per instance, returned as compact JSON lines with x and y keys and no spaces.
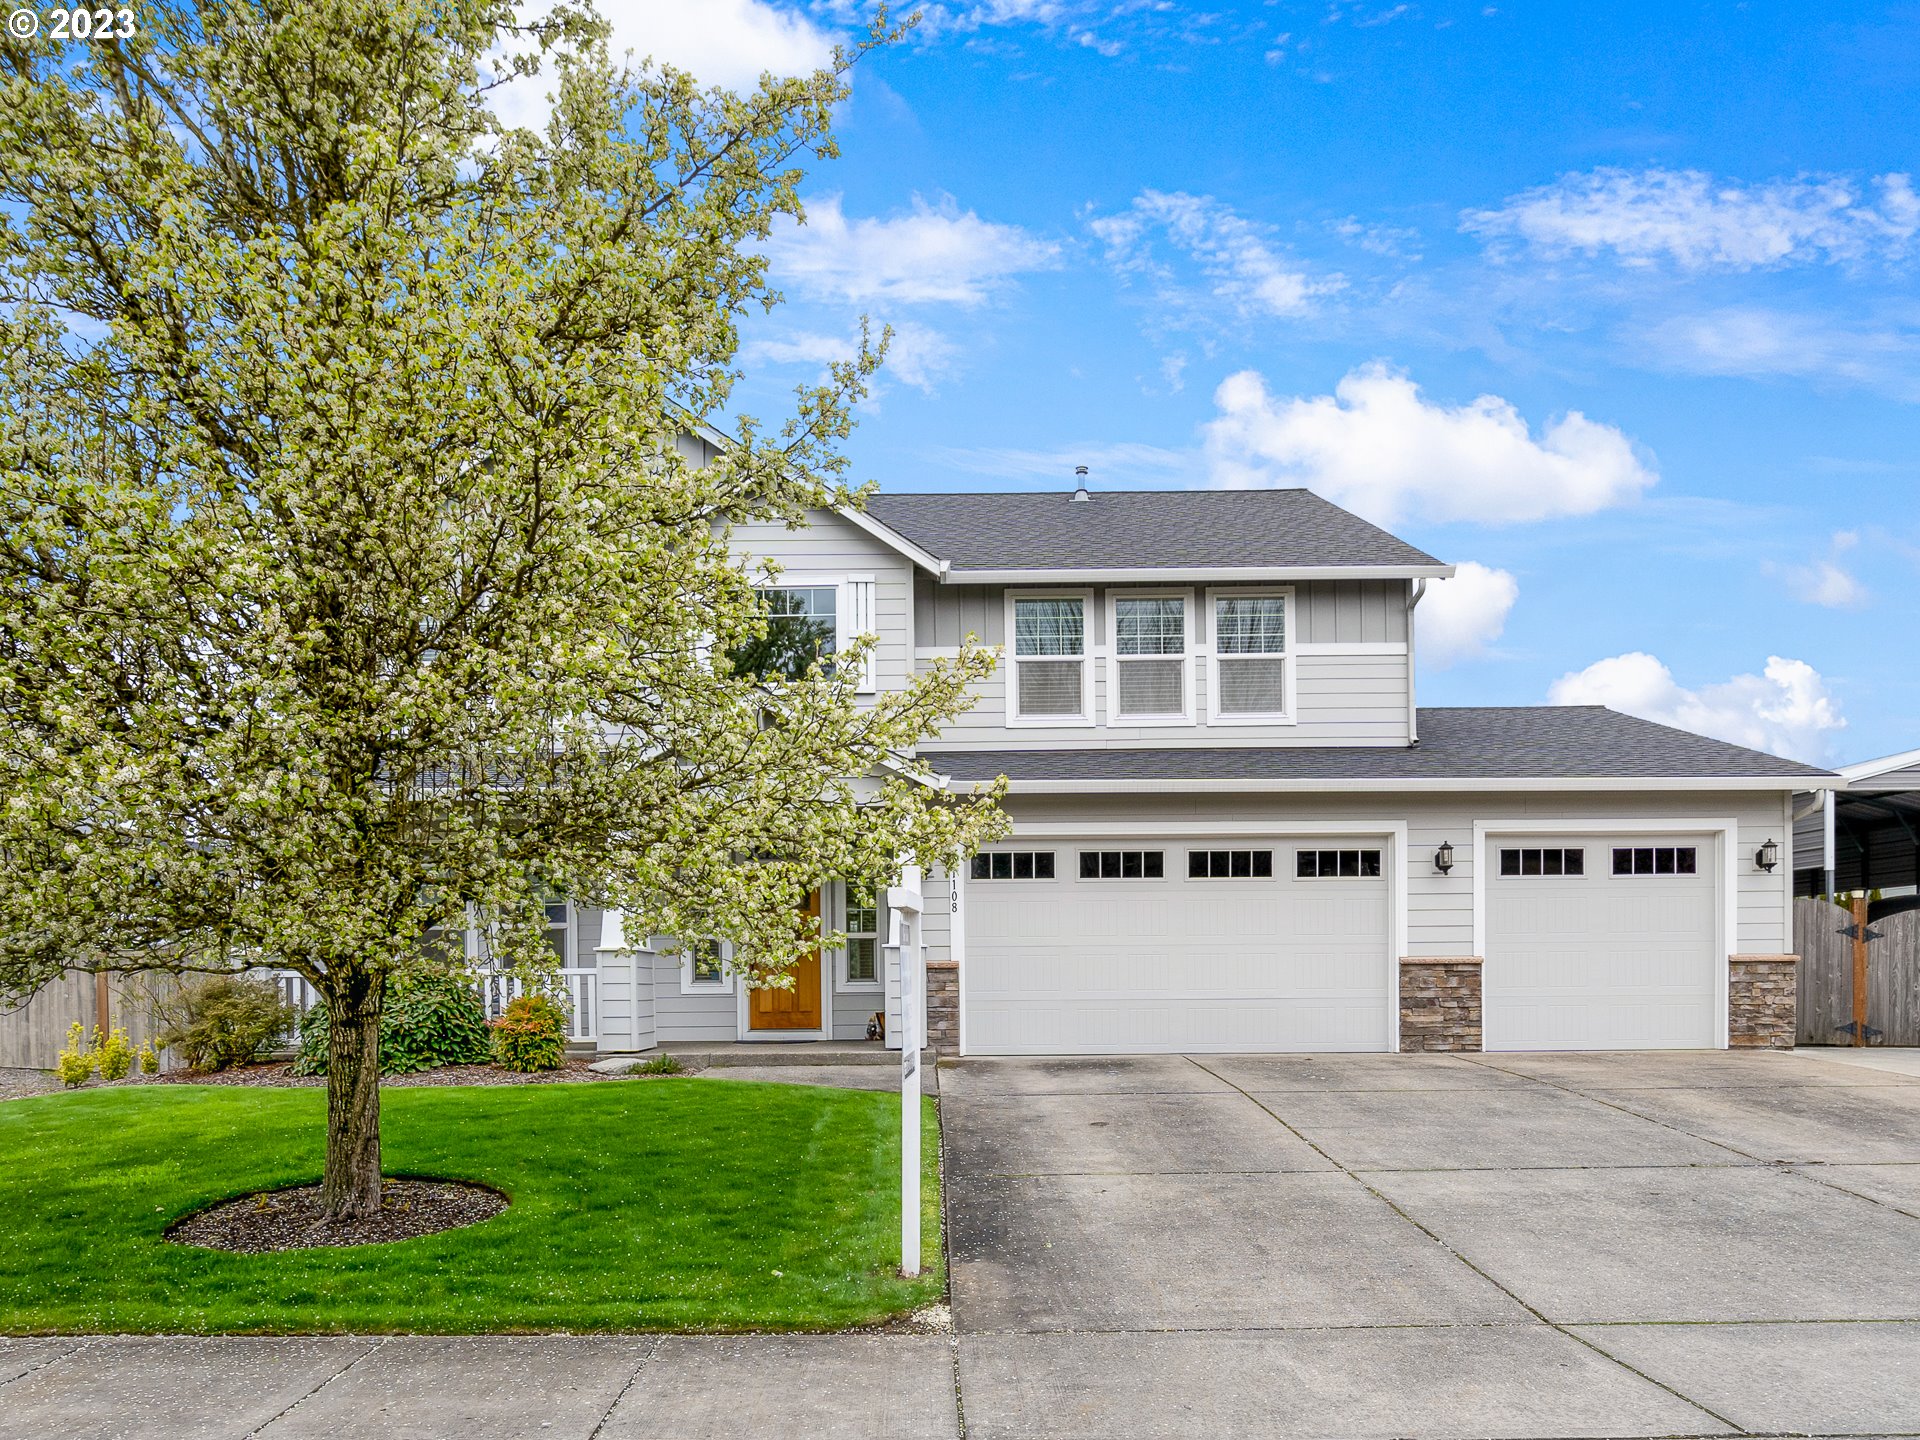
{"x":1352,"y":670}
{"x":828,"y":548}
{"x":1440,"y":907}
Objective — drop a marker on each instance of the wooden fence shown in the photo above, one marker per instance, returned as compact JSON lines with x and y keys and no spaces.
{"x":1826,"y":975}
{"x":32,"y":1034}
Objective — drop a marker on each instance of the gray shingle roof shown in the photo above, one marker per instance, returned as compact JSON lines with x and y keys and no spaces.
{"x":1140,"y":529}
{"x":1478,"y":743}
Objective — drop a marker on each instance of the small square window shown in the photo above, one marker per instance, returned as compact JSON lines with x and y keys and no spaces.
{"x":706,"y":966}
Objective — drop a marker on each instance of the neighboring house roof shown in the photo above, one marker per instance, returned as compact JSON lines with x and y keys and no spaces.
{"x":1890,"y":772}
{"x":985,"y":536}
{"x":1481,"y":747}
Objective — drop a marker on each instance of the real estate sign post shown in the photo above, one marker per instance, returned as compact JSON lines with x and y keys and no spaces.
{"x":909,"y":1107}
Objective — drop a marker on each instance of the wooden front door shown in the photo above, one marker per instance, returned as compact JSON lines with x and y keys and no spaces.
{"x":795,"y":1009}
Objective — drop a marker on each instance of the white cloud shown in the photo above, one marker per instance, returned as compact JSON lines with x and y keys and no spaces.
{"x":1787,"y":709}
{"x":934,"y":253}
{"x":1460,"y":617}
{"x":1755,"y":341}
{"x":1697,"y":222}
{"x":918,"y":356}
{"x":1378,"y":447}
{"x":1826,"y":581}
{"x":1236,"y":257}
{"x":722,"y":42}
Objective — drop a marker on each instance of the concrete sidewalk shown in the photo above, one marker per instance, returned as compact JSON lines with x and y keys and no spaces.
{"x":585,"y":1387}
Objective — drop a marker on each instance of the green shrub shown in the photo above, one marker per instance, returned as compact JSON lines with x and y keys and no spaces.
{"x":532,"y":1035}
{"x":113,"y":1056}
{"x":222,"y":1021}
{"x":149,"y":1062}
{"x":658,"y":1065}
{"x":429,"y":1020}
{"x":76,"y":1063}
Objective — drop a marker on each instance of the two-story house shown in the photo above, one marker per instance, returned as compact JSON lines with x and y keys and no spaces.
{"x":1234,"y":829}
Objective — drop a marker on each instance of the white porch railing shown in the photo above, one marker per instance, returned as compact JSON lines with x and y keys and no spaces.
{"x":495,"y":993}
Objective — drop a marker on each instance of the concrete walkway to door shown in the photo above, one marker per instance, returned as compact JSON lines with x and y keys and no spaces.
{"x":1545,"y":1246}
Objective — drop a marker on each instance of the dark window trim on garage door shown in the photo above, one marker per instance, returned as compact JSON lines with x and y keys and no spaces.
{"x":1013,"y":865}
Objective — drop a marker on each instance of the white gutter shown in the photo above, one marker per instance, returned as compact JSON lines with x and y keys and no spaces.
{"x":1428,"y":785}
{"x":1413,"y":714}
{"x":1197,"y":575}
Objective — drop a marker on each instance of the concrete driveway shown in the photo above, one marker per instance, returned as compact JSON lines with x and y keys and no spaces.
{"x":1553,"y":1245}
{"x":1546,"y":1246}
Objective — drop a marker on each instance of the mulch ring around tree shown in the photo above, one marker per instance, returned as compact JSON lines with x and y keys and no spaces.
{"x":290,"y":1219}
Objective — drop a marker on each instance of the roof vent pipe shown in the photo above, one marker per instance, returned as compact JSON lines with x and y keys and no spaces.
{"x":1080,"y":478}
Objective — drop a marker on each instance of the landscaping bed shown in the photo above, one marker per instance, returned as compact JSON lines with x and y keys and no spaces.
{"x":667,"y":1205}
{"x":294,"y":1219}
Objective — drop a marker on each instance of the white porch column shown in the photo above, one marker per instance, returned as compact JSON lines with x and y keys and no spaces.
{"x":905,"y":946}
{"x":623,"y":990}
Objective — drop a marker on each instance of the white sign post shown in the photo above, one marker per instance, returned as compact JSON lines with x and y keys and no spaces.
{"x":909,"y":1099}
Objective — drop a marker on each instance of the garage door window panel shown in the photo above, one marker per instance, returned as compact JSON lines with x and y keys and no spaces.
{"x":1230,"y":864}
{"x":1656,"y":860}
{"x":1544,"y":861}
{"x":1337,"y":865}
{"x":1050,"y":660}
{"x":1013,"y":865}
{"x":1149,"y":674}
{"x":1123,"y":864}
{"x":1252,"y":678}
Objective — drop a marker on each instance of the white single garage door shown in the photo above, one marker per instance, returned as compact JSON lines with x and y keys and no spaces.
{"x":1601,"y":942}
{"x":1128,"y":946}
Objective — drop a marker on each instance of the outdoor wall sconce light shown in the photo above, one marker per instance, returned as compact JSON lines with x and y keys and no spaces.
{"x":1443,"y":857}
{"x":1767,"y":856}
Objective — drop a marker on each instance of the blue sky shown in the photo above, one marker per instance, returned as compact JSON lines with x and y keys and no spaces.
{"x":1615,"y":302}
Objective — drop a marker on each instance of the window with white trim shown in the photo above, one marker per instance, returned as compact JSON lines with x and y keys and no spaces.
{"x":803,"y":630}
{"x":1123,"y":864}
{"x":860,"y":923}
{"x":1050,"y":658}
{"x":1547,"y":860}
{"x":1149,"y":657}
{"x":1013,"y":865}
{"x":1230,"y":864}
{"x":1655,"y":860}
{"x":1250,"y":657}
{"x":1337,"y":865}
{"x":703,"y":967}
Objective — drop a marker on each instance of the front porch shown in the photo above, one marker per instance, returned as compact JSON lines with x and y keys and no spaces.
{"x":759,"y":1054}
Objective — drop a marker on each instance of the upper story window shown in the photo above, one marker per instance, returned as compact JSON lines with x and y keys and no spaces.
{"x":1250,"y":657}
{"x":1050,"y":659}
{"x":1149,"y":658}
{"x":802,"y":625}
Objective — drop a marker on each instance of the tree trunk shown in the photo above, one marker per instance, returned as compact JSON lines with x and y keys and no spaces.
{"x":351,"y":1189}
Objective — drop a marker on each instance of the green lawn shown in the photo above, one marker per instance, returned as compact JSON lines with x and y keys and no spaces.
{"x":655,"y":1204}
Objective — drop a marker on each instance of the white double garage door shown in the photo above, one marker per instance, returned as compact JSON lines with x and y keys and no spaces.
{"x":1300,"y":951}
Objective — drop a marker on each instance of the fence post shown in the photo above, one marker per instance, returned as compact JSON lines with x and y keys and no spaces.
{"x":1860,"y":968}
